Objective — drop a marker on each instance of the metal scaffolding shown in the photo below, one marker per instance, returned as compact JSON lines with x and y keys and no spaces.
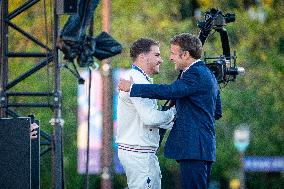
{"x":9,"y":90}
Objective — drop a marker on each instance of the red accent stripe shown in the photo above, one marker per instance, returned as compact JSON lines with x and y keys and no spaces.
{"x":140,"y":150}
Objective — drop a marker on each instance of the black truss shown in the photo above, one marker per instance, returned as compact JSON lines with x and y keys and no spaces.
{"x":27,"y":35}
{"x":22,"y":8}
{"x":28,"y":54}
{"x":8,"y":109}
{"x":29,"y":94}
{"x":25,"y":75}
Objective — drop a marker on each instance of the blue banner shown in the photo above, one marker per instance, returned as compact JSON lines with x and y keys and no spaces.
{"x":264,"y":163}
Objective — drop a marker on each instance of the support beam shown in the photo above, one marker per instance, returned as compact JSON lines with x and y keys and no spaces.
{"x":3,"y":57}
{"x":29,"y":94}
{"x":28,"y":54}
{"x":27,"y":35}
{"x":25,"y":75}
{"x":107,"y":152}
{"x":22,"y":8}
{"x":57,"y":122}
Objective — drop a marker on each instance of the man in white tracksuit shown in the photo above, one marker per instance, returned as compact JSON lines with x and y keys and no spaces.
{"x":139,"y":120}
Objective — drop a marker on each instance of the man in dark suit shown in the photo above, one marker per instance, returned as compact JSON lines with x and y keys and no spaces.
{"x":192,"y":140}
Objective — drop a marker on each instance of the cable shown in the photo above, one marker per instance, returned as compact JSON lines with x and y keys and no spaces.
{"x":88,"y":132}
{"x":91,"y":32}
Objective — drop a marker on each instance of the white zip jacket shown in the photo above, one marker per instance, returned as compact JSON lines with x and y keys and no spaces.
{"x":138,"y":118}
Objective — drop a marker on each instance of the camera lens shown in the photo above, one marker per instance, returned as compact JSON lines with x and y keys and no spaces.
{"x":230,"y":17}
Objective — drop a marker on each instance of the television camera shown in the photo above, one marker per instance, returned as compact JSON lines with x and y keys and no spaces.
{"x":224,"y":67}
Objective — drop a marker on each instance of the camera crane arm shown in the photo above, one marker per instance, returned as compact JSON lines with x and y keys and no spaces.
{"x":215,"y":20}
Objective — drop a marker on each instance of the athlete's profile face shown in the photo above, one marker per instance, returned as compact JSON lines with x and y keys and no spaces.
{"x":153,"y":60}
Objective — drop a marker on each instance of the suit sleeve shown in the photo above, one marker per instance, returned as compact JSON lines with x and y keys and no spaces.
{"x":185,"y":86}
{"x":150,"y":115}
{"x":218,"y":110}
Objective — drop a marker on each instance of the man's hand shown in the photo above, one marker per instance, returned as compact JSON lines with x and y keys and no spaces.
{"x":125,"y":85}
{"x":33,"y":131}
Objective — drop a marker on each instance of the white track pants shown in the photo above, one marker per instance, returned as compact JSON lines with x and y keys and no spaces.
{"x":142,"y":169}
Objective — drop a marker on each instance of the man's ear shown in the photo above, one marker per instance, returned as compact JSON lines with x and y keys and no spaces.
{"x":141,"y":56}
{"x":186,"y":54}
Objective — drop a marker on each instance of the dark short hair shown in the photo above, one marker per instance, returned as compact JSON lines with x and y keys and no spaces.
{"x":142,"y":45}
{"x":188,"y":42}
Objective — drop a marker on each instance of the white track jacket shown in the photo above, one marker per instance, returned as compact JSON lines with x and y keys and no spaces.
{"x":138,"y":118}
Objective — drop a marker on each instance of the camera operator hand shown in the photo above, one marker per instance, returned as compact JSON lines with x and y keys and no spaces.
{"x":33,"y":128}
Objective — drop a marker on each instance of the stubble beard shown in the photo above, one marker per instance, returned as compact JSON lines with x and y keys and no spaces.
{"x":157,"y":70}
{"x":177,"y":67}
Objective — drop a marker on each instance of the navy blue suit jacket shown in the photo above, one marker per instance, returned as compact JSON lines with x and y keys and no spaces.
{"x":197,"y":104}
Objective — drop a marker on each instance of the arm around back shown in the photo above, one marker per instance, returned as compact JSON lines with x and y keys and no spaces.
{"x":185,"y":86}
